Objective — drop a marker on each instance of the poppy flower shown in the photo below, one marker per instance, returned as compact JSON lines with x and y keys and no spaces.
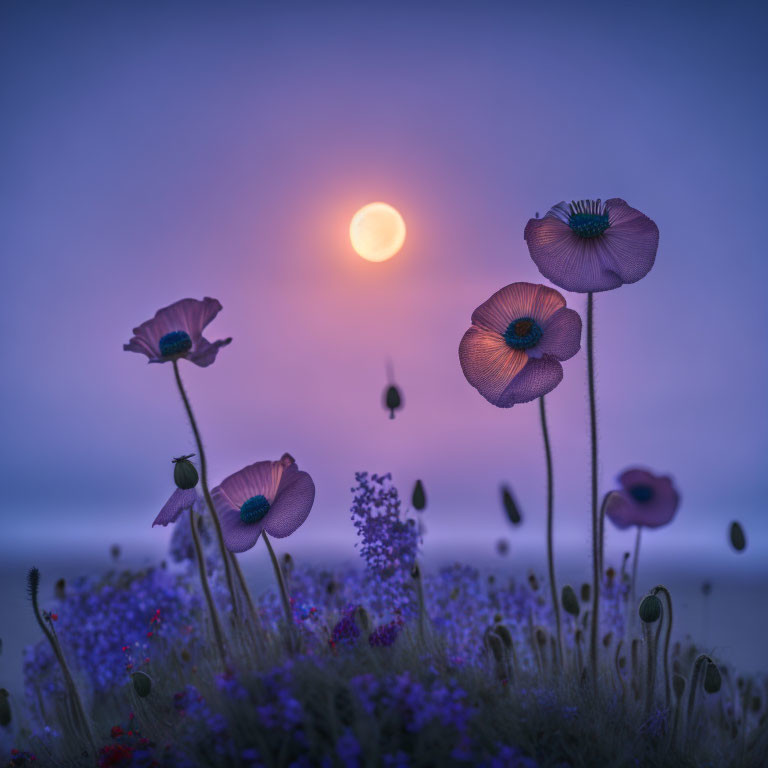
{"x":644,"y":499}
{"x":177,"y":332}
{"x":512,"y":352}
{"x":590,"y":246}
{"x":181,"y":500}
{"x":271,"y":496}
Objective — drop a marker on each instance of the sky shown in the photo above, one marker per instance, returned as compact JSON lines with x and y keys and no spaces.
{"x":156,"y":150}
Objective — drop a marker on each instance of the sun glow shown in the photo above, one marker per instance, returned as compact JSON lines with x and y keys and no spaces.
{"x":377,"y":231}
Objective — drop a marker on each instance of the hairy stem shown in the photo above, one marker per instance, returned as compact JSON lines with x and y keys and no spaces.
{"x":550,"y":529}
{"x":286,"y":600}
{"x":204,"y":485}
{"x":596,"y":545}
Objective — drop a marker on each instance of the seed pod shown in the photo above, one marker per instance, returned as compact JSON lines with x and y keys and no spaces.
{"x":650,"y":609}
{"x":586,"y":591}
{"x":5,"y":708}
{"x":184,"y":473}
{"x":678,"y":685}
{"x":142,"y":684}
{"x":419,"y":497}
{"x":570,"y":603}
{"x":712,"y":678}
{"x":393,"y":401}
{"x":510,"y":505}
{"x":738,"y":539}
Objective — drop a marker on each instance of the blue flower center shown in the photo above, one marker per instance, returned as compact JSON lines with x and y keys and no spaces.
{"x":641,"y":493}
{"x":254,"y":509}
{"x":174,"y":343}
{"x":588,"y":218}
{"x":523,"y":333}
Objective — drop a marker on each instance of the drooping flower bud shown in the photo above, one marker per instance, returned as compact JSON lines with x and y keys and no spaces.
{"x":586,"y":591}
{"x":678,"y":685}
{"x":393,"y":400}
{"x":510,"y":505}
{"x":419,"y":497}
{"x":184,"y":472}
{"x":738,"y":538}
{"x":650,"y":609}
{"x":570,"y":602}
{"x":712,"y":678}
{"x":142,"y":684}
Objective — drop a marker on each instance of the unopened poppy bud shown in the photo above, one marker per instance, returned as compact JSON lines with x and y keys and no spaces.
{"x":586,"y":591}
{"x":650,"y":609}
{"x":184,"y":472}
{"x":678,"y":685}
{"x":570,"y":603}
{"x":5,"y":708}
{"x":712,"y":678}
{"x":142,"y":684}
{"x":505,"y":635}
{"x":393,"y":401}
{"x":419,"y":497}
{"x":510,"y":506}
{"x":495,"y":645}
{"x":738,"y":538}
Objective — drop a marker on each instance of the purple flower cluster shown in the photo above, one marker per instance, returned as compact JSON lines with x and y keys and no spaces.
{"x":389,"y":543}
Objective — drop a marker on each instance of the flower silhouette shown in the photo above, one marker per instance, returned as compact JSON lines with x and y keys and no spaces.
{"x":644,"y":499}
{"x":588,"y":246}
{"x":271,"y":496}
{"x":512,"y":352}
{"x":177,"y":332}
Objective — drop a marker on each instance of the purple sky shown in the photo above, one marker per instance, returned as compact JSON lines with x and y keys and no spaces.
{"x":155,"y":150}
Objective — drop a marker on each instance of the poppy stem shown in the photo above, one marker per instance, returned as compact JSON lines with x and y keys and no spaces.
{"x":668,"y":618}
{"x":281,"y":583}
{"x":596,"y":544}
{"x":257,"y":626}
{"x":214,"y":614}
{"x":204,"y":485}
{"x":550,"y":526}
{"x":633,"y":592}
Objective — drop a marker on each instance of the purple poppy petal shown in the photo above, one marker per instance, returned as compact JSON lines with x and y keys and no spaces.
{"x":537,"y":378}
{"x":188,"y":315}
{"x":661,"y":507}
{"x":569,"y":261}
{"x":259,"y":479}
{"x":238,"y":536}
{"x":205,"y":352}
{"x":561,"y":336}
{"x":515,"y":301}
{"x":180,"y":501}
{"x":620,"y":509}
{"x":631,"y":242}
{"x":293,"y":503}
{"x":490,"y":364}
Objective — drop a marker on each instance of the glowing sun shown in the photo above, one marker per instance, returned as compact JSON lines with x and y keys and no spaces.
{"x":377,"y":231}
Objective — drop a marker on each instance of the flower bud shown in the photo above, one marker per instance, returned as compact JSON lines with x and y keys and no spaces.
{"x":392,"y":400}
{"x":586,"y":591}
{"x":142,"y":684}
{"x":505,"y":635}
{"x":419,"y":497}
{"x":650,"y":609}
{"x":510,"y":506}
{"x":570,"y":603}
{"x":184,"y":472}
{"x":678,"y":685}
{"x":738,"y":539}
{"x":712,"y":678}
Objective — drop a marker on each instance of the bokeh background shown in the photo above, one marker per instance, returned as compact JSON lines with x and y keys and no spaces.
{"x":157,"y":150}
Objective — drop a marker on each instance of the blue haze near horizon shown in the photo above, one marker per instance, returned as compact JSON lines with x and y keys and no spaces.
{"x":152,"y":151}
